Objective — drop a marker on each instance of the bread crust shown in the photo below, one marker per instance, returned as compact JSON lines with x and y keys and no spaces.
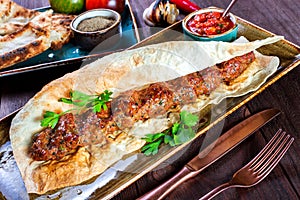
{"x":27,"y":42}
{"x":13,"y":16}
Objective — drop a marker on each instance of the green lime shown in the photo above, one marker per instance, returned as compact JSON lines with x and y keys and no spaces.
{"x":67,"y":6}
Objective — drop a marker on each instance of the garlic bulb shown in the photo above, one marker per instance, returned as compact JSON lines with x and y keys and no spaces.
{"x":160,"y":12}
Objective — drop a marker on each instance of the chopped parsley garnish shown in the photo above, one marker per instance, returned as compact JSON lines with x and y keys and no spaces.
{"x":81,"y":101}
{"x":221,"y":25}
{"x":50,"y":119}
{"x":179,"y":133}
{"x":97,"y":102}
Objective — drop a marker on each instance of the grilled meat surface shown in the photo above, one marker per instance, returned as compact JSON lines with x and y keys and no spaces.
{"x":89,"y":128}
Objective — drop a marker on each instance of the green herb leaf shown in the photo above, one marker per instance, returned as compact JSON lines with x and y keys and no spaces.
{"x":153,"y":140}
{"x":183,"y":135}
{"x":151,"y":148}
{"x":65,"y":100}
{"x":169,"y":140}
{"x":50,"y":119}
{"x":80,"y":100}
{"x":157,"y":136}
{"x":188,"y":119}
{"x":175,"y":128}
{"x":77,"y":98}
{"x":179,"y":133}
{"x":99,"y":102}
{"x":148,"y":138}
{"x":152,"y":137}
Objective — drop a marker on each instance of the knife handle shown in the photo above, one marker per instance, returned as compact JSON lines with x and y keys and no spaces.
{"x":164,"y":189}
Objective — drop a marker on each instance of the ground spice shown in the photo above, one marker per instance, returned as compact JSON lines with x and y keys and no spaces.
{"x":95,"y":24}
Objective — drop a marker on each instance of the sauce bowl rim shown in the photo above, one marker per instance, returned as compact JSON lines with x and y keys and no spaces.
{"x":205,"y":10}
{"x":82,"y":17}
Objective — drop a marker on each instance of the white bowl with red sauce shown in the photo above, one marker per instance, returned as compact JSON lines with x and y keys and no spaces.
{"x":208,"y":25}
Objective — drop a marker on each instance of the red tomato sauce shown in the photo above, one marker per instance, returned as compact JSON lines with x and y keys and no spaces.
{"x":210,"y":23}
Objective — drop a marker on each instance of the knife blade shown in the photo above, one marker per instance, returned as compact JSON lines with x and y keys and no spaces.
{"x":213,"y":152}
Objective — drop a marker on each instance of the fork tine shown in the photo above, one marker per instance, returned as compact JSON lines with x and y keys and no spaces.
{"x":269,"y":154}
{"x":278,"y":149}
{"x":264,"y":150}
{"x":278,"y":158}
{"x":247,"y":176}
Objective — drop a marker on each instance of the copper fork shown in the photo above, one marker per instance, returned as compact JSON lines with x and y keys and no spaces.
{"x":259,"y":167}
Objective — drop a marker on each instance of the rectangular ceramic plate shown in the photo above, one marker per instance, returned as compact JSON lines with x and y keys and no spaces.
{"x":71,"y":53}
{"x":133,"y":167}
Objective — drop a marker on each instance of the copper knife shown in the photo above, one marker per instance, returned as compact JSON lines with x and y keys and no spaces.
{"x":213,"y":152}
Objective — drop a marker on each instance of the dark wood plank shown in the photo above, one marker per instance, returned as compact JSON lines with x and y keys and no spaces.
{"x":277,"y":16}
{"x":282,"y":95}
{"x":223,"y":170}
{"x":33,"y":3}
{"x":272,"y":187}
{"x":18,"y":89}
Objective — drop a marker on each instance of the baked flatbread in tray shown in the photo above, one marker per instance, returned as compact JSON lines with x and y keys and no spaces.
{"x":43,"y":39}
{"x":26,"y":33}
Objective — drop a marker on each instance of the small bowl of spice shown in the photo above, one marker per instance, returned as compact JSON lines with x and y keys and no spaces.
{"x":208,"y":25}
{"x":97,"y":26}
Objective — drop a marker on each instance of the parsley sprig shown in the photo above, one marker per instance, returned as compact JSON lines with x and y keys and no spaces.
{"x":50,"y":119}
{"x":179,"y":133}
{"x":82,"y":101}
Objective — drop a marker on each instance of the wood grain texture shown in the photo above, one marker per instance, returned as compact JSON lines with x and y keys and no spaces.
{"x":277,"y":16}
{"x":33,"y":3}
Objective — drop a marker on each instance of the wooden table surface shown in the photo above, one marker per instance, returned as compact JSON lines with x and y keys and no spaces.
{"x":277,"y":16}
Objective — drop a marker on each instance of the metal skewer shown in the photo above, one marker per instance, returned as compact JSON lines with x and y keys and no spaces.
{"x":228,"y":8}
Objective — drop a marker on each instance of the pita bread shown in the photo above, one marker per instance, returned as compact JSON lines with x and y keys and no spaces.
{"x":26,"y":33}
{"x":110,"y":73}
{"x":27,"y":42}
{"x":13,"y":16}
{"x":61,"y":32}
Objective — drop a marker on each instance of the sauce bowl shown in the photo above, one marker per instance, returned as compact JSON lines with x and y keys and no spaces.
{"x":222,"y":34}
{"x":90,"y":39}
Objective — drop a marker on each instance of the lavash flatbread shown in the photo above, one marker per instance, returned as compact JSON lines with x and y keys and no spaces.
{"x":110,"y":72}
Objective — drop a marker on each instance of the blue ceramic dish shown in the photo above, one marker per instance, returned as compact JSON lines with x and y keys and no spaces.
{"x":227,"y":36}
